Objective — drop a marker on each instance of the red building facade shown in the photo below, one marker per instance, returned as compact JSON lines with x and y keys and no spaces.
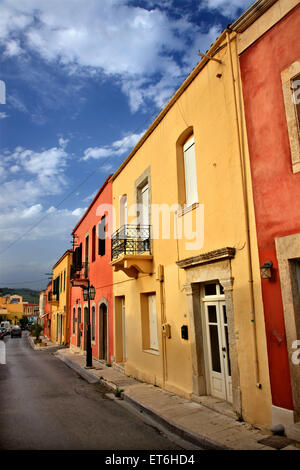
{"x":91,"y":260}
{"x":270,"y":68}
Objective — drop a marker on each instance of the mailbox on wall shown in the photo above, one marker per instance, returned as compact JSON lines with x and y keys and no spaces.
{"x":184,"y":332}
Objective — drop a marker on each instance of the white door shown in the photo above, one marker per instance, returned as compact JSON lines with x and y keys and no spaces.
{"x":218,"y":350}
{"x":124,"y":328}
{"x":152,"y":322}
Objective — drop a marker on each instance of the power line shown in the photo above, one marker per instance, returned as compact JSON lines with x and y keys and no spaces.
{"x":71,"y":192}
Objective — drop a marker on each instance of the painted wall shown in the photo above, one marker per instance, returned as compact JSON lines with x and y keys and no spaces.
{"x":100,"y":271}
{"x":207,"y":106}
{"x":276,"y":189}
{"x":47,"y":312}
{"x":62,"y":306}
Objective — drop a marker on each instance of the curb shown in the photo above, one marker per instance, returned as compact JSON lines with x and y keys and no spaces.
{"x":43,"y":348}
{"x":202,"y":441}
{"x":85,"y":374}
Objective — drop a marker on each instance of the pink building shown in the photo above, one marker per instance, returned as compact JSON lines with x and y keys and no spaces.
{"x":91,"y":260}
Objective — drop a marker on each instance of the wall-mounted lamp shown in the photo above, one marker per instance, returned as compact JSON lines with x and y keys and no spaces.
{"x":266,"y":270}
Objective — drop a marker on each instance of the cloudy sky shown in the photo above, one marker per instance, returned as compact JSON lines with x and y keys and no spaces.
{"x":84,"y":79}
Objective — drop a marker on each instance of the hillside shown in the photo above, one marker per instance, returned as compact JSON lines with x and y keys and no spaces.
{"x":29,"y":295}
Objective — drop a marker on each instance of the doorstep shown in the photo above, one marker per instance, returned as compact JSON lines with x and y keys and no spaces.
{"x":216,"y":404}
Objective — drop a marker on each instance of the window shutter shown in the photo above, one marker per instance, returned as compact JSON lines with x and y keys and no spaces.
{"x":191,"y":191}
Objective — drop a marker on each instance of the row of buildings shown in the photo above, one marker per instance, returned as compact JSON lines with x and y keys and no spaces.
{"x":193,"y":244}
{"x":13,"y":308}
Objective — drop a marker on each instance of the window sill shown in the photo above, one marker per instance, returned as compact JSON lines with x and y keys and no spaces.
{"x":151,"y":351}
{"x":187,"y":209}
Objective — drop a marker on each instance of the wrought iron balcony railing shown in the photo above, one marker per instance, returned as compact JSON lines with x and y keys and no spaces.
{"x":130,"y":240}
{"x":80,"y":271}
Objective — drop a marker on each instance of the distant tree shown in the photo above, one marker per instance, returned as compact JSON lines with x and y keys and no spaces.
{"x":23,"y":322}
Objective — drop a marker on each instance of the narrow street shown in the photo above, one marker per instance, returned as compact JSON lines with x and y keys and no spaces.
{"x":45,"y":405}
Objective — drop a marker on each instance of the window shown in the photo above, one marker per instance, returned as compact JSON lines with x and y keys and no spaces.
{"x":86,"y":257}
{"x":94,"y":243}
{"x":149,"y":322}
{"x":290,"y":78}
{"x":64,"y":280}
{"x":101,"y":237}
{"x":56,"y":287}
{"x":123,"y":210}
{"x":93,"y":323}
{"x":190,"y":173}
{"x":74,"y":320}
{"x":77,"y":258}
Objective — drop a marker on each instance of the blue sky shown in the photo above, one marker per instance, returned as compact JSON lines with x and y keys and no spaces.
{"x":84,"y":79}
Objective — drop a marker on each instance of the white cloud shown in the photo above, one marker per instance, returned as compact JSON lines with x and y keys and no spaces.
{"x":31,"y":211}
{"x":42,"y":175}
{"x":3,"y":115}
{"x":117,"y":148}
{"x":12,"y":48}
{"x":14,"y":168}
{"x":107,"y":38}
{"x":228,"y":8}
{"x":58,"y":222}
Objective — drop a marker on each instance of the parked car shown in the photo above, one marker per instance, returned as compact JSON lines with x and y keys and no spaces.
{"x":15,"y":331}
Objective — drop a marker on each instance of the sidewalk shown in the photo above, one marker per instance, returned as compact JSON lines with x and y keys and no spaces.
{"x":192,"y":421}
{"x":45,"y":344}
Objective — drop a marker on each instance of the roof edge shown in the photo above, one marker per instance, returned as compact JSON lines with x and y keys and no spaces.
{"x":212,"y":50}
{"x":62,"y":257}
{"x":92,"y":203}
{"x":249,"y":16}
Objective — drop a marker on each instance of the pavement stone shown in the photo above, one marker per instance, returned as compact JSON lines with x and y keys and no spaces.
{"x":193,"y":421}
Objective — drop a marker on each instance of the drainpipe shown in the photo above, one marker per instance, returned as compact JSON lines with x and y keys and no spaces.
{"x":163,"y":320}
{"x":239,"y":131}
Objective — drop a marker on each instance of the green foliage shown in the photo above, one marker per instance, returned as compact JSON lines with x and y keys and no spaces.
{"x":35,"y":330}
{"x":23,"y":322}
{"x":29,"y":295}
{"x":118,"y":392}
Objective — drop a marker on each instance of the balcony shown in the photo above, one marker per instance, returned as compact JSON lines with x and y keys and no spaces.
{"x":131,"y":250}
{"x":53,"y":299}
{"x":80,"y":271}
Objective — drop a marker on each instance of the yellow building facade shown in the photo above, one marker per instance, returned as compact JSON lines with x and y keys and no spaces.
{"x":60,"y":318}
{"x":188,"y":312}
{"x":12,"y":308}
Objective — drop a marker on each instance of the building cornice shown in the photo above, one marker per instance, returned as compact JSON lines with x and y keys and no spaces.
{"x":251,"y":14}
{"x":205,"y":258}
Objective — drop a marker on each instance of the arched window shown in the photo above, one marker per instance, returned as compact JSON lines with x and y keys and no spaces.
{"x":190,"y":172}
{"x":186,"y":168}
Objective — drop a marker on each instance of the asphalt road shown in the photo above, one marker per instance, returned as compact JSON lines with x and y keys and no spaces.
{"x":44,"y":405}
